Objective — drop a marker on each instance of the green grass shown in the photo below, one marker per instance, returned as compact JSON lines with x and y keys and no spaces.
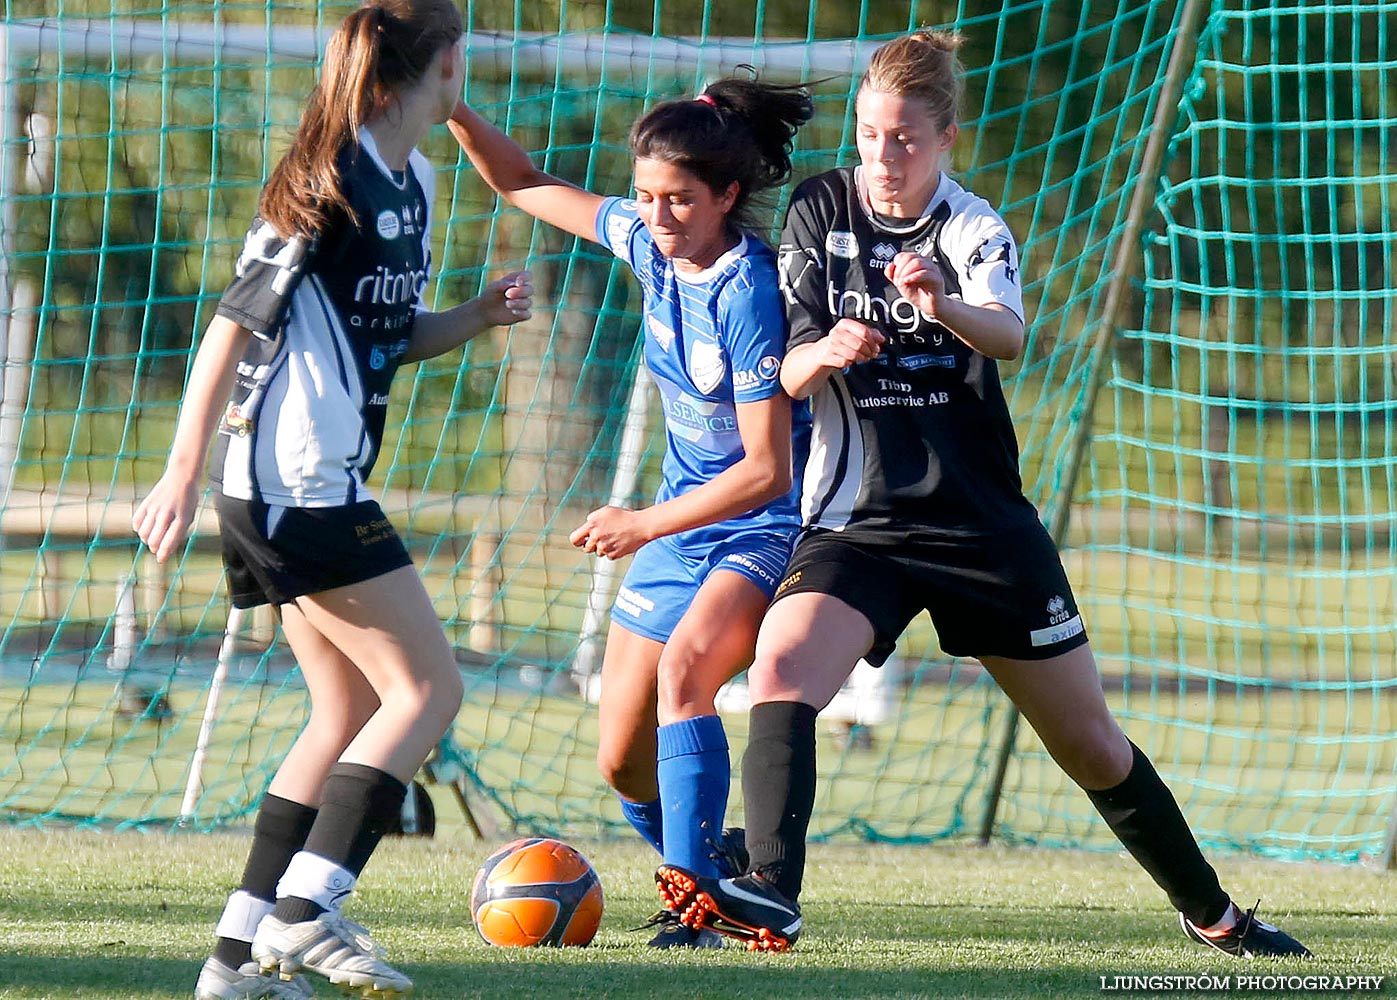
{"x":1290,"y":773}
{"x":85,"y":914}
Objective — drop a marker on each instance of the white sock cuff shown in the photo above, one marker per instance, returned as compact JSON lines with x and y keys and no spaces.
{"x":320,"y":880}
{"x":241,"y":915}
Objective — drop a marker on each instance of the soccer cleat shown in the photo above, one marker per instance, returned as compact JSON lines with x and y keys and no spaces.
{"x":336,"y":948}
{"x":730,"y":853}
{"x":747,"y":908}
{"x":247,"y":982}
{"x":673,"y":934}
{"x":1248,"y":938}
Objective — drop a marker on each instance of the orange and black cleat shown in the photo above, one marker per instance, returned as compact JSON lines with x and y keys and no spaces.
{"x":747,"y":908}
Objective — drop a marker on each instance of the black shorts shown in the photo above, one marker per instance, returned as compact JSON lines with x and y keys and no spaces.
{"x":989,"y":595}
{"x":275,"y":554}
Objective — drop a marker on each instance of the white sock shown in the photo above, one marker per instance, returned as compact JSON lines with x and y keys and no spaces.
{"x":241,"y":915}
{"x":1228,"y":921}
{"x":320,"y":880}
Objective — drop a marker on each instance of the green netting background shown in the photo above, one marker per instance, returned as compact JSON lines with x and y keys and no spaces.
{"x":1230,"y":529}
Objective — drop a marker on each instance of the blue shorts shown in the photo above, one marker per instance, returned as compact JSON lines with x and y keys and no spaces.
{"x":663,"y":579}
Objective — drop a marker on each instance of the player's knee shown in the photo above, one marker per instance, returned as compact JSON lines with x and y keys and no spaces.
{"x":1094,"y":752}
{"x":335,"y":726}
{"x":682,"y":693}
{"x":775,"y":675}
{"x":431,"y":695}
{"x":447,"y":692}
{"x":625,"y":775}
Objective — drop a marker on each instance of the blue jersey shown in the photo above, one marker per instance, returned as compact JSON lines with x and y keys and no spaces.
{"x":712,"y":340}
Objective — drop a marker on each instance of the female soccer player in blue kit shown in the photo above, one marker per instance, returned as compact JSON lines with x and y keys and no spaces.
{"x":711,"y":550}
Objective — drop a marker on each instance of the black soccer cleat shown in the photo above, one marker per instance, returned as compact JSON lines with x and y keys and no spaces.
{"x":1249,"y":938}
{"x":730,"y":853}
{"x":673,"y":934}
{"x":747,"y":908}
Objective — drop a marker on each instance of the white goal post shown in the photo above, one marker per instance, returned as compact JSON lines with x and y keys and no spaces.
{"x":119,"y":40}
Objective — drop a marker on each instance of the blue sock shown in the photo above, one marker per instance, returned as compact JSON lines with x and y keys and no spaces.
{"x":694,"y":773}
{"x":646,"y":818}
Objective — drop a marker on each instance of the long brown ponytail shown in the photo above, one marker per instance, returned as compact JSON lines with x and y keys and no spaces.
{"x":380,"y":49}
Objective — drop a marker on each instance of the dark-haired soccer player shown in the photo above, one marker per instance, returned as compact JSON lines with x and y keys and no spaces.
{"x":711,"y":549}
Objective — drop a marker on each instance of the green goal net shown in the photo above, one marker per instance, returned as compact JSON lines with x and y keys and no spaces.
{"x":1206,"y":409}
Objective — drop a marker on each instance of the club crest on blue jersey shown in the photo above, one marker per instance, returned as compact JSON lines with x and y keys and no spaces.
{"x":706,"y":365}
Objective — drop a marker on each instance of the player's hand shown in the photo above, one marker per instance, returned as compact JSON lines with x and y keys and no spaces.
{"x":919,"y":279}
{"x":508,"y":300}
{"x":850,"y":342}
{"x":165,"y":517}
{"x":613,"y":532}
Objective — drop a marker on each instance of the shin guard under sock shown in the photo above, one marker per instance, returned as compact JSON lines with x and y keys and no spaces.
{"x":280,"y":831}
{"x":778,"y":791}
{"x":1142,"y":812}
{"x":694,"y":773}
{"x":357,"y":807}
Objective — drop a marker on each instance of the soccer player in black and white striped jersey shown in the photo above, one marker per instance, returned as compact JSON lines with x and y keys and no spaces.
{"x":293,"y":374}
{"x":902,"y":292}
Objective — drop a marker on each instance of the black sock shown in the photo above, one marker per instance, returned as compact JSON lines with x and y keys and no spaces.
{"x":1142,"y":812}
{"x":232,"y":952}
{"x":357,"y":807}
{"x":778,"y":791}
{"x":280,"y":831}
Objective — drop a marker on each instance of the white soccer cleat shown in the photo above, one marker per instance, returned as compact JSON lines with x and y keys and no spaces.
{"x":247,"y":982}
{"x":336,"y":948}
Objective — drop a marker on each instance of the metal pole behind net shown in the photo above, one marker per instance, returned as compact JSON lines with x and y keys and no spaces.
{"x":587,"y":662}
{"x":1126,"y":264}
{"x":195,"y":785}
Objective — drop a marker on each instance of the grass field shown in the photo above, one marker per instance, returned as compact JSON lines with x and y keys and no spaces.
{"x":87,"y":914}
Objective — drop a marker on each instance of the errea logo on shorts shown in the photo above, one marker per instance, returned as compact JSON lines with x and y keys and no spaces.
{"x":1063,"y":624}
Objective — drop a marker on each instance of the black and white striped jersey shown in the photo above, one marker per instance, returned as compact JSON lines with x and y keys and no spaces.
{"x":920,"y":438}
{"x":331,"y":320}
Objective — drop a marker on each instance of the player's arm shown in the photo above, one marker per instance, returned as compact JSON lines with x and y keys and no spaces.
{"x":809,"y":366}
{"x":818,"y":344}
{"x":992,"y":329}
{"x":164,"y":518}
{"x":506,"y":167}
{"x":504,"y":302}
{"x":760,"y":476}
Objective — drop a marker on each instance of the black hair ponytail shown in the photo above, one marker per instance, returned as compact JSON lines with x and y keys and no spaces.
{"x":738,"y":129}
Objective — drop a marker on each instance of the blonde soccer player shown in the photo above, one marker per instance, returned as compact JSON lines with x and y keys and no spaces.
{"x":902,"y":290}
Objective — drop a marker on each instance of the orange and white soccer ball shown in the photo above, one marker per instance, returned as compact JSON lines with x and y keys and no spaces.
{"x":536,"y":891}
